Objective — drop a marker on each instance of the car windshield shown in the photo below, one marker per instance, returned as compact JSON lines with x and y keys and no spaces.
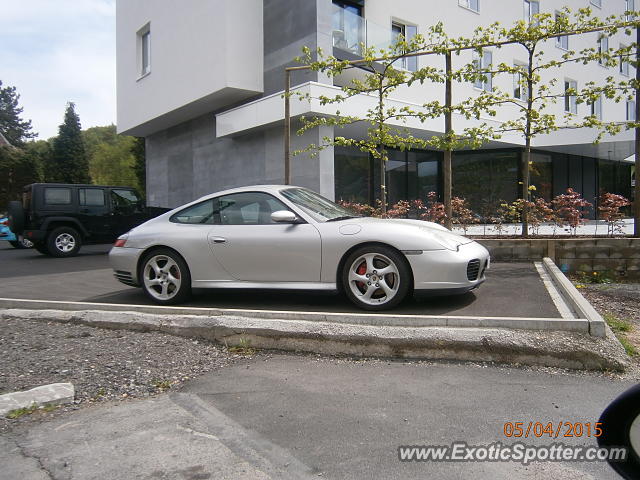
{"x":318,"y":207}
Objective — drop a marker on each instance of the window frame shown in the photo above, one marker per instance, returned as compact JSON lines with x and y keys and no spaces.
{"x":631,"y":112}
{"x":624,"y":66}
{"x":562,"y":41}
{"x":467,"y":5}
{"x":528,"y":11}
{"x":143,"y":42}
{"x":596,"y":3}
{"x":517,"y":79}
{"x":603,"y":46}
{"x":482,"y":64}
{"x":596,"y":108}
{"x":407,"y":63}
{"x":570,"y":101}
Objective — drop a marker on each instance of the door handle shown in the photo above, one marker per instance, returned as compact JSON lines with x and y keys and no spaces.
{"x":218,"y":240}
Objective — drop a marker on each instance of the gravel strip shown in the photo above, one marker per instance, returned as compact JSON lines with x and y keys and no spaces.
{"x":102,"y":364}
{"x":622,"y":300}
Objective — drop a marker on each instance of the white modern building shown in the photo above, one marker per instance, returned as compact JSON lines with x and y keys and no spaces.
{"x":202,"y":81}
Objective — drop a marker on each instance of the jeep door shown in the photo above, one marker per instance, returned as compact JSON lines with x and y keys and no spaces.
{"x":93,"y":212}
{"x":127,"y":210}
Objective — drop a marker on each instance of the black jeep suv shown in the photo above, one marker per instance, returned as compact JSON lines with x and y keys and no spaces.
{"x":59,"y":218}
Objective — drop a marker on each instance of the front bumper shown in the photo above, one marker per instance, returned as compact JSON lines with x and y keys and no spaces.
{"x":448,"y":271}
{"x":124,"y":262}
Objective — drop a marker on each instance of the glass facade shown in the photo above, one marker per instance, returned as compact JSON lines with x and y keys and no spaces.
{"x":485,"y":178}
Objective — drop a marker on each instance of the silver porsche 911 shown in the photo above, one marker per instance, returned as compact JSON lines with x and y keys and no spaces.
{"x":285,"y":237}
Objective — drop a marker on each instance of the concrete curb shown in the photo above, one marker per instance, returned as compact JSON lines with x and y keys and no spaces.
{"x":597,"y":325}
{"x":53,"y":394}
{"x":372,"y":319}
{"x":549,"y":348}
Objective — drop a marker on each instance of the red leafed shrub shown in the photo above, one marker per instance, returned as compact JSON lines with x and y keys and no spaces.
{"x":570,"y":209}
{"x":609,"y":208}
{"x":433,"y":211}
{"x":399,"y":210}
{"x":360,"y":208}
{"x":462,"y":215}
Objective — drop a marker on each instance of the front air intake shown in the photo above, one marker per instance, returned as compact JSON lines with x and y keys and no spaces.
{"x":473,"y":268}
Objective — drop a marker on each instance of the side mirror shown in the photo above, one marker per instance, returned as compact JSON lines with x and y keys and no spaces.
{"x":284,"y":216}
{"x":621,"y":428}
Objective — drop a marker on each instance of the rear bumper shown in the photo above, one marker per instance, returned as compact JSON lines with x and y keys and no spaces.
{"x":124,"y":262}
{"x":447,"y":271}
{"x":35,"y":235}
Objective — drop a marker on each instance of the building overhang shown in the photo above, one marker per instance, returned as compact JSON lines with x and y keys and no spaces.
{"x":268,"y":112}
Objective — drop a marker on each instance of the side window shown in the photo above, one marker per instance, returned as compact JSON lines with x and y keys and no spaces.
{"x":201,"y":213}
{"x":247,"y":208}
{"x":91,"y":197}
{"x":57,"y":196}
{"x":126,"y":201}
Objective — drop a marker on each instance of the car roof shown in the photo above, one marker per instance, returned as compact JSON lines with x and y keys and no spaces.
{"x":250,"y":188}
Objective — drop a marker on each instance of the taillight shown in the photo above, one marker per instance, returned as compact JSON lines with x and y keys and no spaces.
{"x":120,"y":242}
{"x":5,"y":222}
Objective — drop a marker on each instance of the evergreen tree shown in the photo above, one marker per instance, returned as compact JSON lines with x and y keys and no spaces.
{"x":17,"y":169}
{"x":68,"y":163}
{"x":12,"y":126}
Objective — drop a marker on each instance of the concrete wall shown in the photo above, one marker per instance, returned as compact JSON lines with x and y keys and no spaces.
{"x":619,"y":255}
{"x":187,"y":161}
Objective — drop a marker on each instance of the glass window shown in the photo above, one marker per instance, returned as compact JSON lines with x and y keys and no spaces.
{"x":126,"y":201}
{"x":624,"y":62}
{"x":201,"y":213}
{"x":57,"y":196}
{"x":320,"y":208}
{"x":603,"y":48}
{"x":520,"y":87}
{"x":531,"y":8}
{"x":482,"y":64}
{"x":247,"y":208}
{"x":629,"y":7}
{"x":470,"y":4}
{"x":541,"y":176}
{"x":631,"y":111}
{"x":424,"y":174}
{"x":352,"y":175}
{"x":596,"y":108}
{"x":562,"y":41}
{"x":144,"y":50}
{"x":407,"y":32}
{"x":485,"y":178}
{"x":570,"y":104}
{"x":91,"y":197}
{"x":597,"y":3}
{"x":348,"y":26}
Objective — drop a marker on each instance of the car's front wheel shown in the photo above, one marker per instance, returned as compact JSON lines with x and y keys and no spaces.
{"x":165,"y":277}
{"x":63,"y":242}
{"x":376,"y":278}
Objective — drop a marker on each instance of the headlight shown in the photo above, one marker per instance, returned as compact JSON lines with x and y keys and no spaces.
{"x":450,"y":241}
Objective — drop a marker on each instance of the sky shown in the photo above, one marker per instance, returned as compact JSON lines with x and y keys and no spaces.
{"x":59,"y":51}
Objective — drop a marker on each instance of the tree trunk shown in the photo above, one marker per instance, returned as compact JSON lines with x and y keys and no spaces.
{"x":636,"y":210}
{"x":446,"y":163}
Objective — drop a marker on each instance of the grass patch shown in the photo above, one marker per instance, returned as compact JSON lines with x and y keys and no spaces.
{"x":620,"y":327}
{"x":162,"y":385}
{"x":20,"y":412}
{"x":243,"y":348}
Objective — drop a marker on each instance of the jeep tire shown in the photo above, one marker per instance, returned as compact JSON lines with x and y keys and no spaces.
{"x":63,"y":242}
{"x":16,"y":217}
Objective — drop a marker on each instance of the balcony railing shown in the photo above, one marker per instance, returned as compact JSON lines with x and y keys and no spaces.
{"x":351,"y":32}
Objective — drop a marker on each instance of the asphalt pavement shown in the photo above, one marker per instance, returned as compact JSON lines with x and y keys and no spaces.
{"x":511,"y":289}
{"x":287,"y":416}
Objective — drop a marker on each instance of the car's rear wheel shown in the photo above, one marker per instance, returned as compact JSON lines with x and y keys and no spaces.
{"x":21,"y":242}
{"x":165,"y":277}
{"x":376,"y":277}
{"x":63,"y":242}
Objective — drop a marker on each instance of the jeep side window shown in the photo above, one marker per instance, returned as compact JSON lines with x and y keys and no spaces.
{"x":126,"y":201}
{"x":57,"y":196}
{"x":91,"y":197}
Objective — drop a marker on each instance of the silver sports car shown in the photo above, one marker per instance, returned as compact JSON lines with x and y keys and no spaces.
{"x":288,"y":237}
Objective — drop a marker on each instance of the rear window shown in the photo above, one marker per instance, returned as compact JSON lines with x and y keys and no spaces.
{"x":91,"y":197}
{"x":57,"y":196}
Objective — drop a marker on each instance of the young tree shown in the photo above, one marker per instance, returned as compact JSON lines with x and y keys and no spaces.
{"x":383,"y":77}
{"x":68,"y":163}
{"x":12,"y":126}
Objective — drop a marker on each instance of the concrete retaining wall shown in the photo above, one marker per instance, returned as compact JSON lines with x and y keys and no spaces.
{"x":618,"y":255}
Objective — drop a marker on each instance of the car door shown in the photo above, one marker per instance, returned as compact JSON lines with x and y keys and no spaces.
{"x":253,"y":248}
{"x":93,"y":212}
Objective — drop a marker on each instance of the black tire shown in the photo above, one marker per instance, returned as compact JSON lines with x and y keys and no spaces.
{"x":16,"y":217}
{"x":63,"y":242}
{"x":21,"y":243}
{"x":370,"y":294}
{"x":173,"y":285}
{"x":41,"y":248}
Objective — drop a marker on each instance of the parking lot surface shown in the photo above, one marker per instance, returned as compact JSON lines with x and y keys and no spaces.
{"x":511,"y":289}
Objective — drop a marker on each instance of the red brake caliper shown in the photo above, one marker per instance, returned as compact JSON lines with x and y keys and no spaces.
{"x":362,"y":269}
